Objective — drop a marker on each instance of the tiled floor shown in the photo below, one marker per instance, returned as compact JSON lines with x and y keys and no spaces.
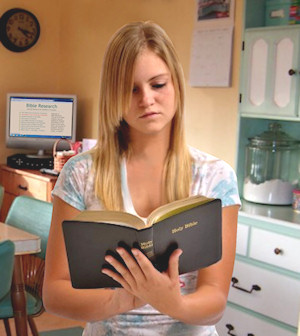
{"x":45,"y":322}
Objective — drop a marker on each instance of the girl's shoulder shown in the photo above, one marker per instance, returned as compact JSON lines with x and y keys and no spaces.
{"x":75,"y":182}
{"x":204,"y":160}
{"x":213,"y":177}
{"x":81,"y":161}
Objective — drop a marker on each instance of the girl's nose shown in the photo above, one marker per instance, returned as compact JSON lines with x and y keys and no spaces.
{"x":146,"y":98}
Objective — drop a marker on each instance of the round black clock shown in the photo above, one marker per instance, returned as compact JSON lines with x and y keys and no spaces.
{"x":19,"y":29}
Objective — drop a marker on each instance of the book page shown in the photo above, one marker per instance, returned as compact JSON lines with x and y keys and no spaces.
{"x":111,"y":217}
{"x":176,"y":207}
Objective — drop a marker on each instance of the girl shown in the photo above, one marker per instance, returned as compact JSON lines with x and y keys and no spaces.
{"x":141,"y":161}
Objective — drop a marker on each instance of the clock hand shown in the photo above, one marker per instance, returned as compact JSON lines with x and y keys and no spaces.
{"x":25,"y":32}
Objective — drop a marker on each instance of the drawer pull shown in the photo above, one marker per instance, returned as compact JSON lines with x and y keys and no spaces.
{"x":235,"y":281}
{"x":22,"y":188}
{"x":292,"y":72}
{"x":278,"y":251}
{"x":230,"y":328}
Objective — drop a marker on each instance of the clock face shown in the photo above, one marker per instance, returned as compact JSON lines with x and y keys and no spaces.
{"x":19,"y":29}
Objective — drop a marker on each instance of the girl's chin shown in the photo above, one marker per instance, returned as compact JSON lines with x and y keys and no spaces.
{"x":152,"y":130}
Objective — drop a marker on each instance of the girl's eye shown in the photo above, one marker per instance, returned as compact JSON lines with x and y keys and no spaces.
{"x":154,"y":86}
{"x":158,"y":86}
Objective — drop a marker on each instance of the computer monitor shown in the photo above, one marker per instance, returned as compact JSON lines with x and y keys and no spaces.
{"x":36,"y":121}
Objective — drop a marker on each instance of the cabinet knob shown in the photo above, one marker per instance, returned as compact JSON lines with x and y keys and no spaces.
{"x":22,"y":188}
{"x":292,"y":72}
{"x":278,"y":251}
{"x":253,"y":288}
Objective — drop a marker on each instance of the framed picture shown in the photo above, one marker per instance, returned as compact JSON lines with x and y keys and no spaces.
{"x":214,"y":9}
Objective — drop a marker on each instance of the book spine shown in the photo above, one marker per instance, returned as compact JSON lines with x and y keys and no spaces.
{"x":145,"y":242}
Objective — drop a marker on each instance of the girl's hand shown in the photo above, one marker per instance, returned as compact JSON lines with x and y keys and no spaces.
{"x":126,"y":300}
{"x":143,"y":280}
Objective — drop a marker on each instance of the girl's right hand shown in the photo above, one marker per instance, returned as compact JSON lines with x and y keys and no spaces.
{"x":126,"y":301}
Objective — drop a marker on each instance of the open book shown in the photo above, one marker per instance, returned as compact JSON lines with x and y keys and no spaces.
{"x":193,"y":224}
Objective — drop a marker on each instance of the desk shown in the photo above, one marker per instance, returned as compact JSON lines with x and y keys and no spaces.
{"x":24,"y":182}
{"x":25,"y":243}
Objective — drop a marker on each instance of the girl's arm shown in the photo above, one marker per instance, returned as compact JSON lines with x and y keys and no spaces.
{"x":58,"y":294}
{"x":162,"y":290}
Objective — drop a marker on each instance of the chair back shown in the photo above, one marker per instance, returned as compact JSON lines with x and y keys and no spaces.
{"x":32,"y":215}
{"x":1,"y":195}
{"x":7,"y":251}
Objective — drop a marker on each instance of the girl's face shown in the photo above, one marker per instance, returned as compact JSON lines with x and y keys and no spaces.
{"x":153,"y":96}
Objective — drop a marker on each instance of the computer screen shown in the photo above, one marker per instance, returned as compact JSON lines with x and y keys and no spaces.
{"x":36,"y":121}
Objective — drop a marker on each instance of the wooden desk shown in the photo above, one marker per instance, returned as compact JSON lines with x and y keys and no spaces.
{"x":25,"y":243}
{"x":24,"y":182}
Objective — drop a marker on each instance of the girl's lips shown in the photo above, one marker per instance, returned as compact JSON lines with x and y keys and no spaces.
{"x":148,"y":114}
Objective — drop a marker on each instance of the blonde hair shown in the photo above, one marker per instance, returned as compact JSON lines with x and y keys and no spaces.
{"x":115,"y":94}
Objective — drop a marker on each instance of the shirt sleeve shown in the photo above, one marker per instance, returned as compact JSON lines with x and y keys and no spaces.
{"x":224,"y":186}
{"x":70,"y":183}
{"x":214,"y":178}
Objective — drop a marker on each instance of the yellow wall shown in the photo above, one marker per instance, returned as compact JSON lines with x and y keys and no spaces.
{"x":68,"y":56}
{"x":36,"y":70}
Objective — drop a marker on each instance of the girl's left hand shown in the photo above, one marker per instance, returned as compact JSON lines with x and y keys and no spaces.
{"x":142,"y":279}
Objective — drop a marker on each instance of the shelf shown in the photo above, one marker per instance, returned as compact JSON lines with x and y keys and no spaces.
{"x":269,"y":117}
{"x":283,"y":27}
{"x":255,"y":15}
{"x":283,"y":213}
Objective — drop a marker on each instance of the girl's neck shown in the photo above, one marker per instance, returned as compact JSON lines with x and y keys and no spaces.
{"x":149,"y":148}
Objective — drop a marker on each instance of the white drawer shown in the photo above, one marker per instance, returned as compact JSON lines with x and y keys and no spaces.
{"x":275,"y":249}
{"x":279,"y":297}
{"x":242,"y":239}
{"x":244,"y":324}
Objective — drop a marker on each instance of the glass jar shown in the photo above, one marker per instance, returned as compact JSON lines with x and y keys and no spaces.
{"x":272,"y":167}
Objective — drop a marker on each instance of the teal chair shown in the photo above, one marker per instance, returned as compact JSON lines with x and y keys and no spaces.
{"x":33,"y":216}
{"x":7,"y":251}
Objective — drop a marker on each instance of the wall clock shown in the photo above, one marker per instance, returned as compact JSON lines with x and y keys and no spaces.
{"x":19,"y":29}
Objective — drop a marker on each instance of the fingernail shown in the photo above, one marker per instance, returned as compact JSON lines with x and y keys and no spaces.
{"x":135,"y":252}
{"x":108,"y":259}
{"x":120,"y":250}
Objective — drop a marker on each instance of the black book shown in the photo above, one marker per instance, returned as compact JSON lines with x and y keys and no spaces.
{"x":193,"y":224}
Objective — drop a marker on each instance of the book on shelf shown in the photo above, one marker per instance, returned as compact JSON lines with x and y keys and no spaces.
{"x":193,"y":224}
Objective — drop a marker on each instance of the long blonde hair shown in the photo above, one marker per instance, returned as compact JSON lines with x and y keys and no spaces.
{"x":115,"y":94}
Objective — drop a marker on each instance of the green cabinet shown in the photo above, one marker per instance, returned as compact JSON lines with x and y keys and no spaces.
{"x":265,"y":289}
{"x":271,"y":65}
{"x":264,"y":297}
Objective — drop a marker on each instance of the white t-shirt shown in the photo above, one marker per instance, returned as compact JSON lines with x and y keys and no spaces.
{"x":211,"y":177}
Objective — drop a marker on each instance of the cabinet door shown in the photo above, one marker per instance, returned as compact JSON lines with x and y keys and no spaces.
{"x":238,"y":323}
{"x":271,"y":72}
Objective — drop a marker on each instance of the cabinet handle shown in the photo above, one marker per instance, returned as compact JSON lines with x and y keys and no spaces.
{"x":235,"y":281}
{"x":292,"y":72}
{"x":230,"y":328}
{"x":278,"y":251}
{"x":22,"y":188}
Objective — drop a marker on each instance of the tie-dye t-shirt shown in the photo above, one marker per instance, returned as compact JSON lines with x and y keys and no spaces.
{"x":211,"y":177}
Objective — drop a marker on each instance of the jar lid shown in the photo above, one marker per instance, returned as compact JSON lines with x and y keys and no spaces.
{"x":274,"y":137}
